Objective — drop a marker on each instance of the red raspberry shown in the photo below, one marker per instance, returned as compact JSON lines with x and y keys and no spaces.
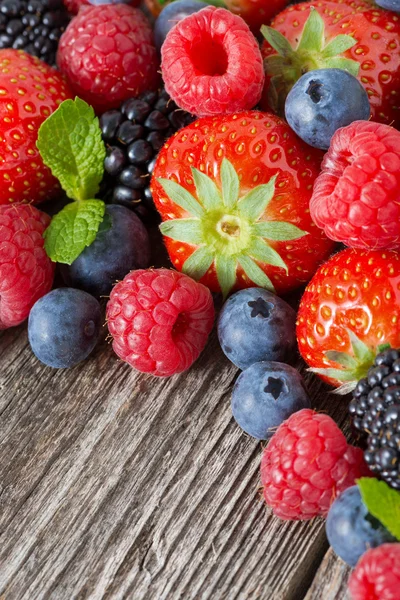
{"x":212,"y":64}
{"x":26,"y":272}
{"x":108,"y":55}
{"x":356,"y":198}
{"x":306,"y":465}
{"x":160,"y":320}
{"x":377,"y":574}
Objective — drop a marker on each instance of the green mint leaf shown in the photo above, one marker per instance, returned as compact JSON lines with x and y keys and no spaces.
{"x":382,"y":502}
{"x":183,"y":230}
{"x":255,"y":274}
{"x":181,"y":197}
{"x":256,"y":201}
{"x":230,"y":183}
{"x":207,"y":191}
{"x":198,"y":263}
{"x":71,"y":145}
{"x":225,"y":267}
{"x":278,"y":231}
{"x":277,"y":40}
{"x":312,"y":39}
{"x":72,"y":229}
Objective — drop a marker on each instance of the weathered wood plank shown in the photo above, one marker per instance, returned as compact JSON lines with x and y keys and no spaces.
{"x":330,"y":582}
{"x":117,"y":485}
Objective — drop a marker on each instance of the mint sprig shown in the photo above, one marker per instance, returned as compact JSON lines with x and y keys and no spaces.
{"x":382,"y":502}
{"x":71,"y":145}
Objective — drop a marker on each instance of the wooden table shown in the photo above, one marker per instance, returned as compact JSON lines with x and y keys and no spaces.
{"x":118,"y":485}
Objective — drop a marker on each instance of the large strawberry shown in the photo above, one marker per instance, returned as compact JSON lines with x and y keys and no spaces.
{"x":350,"y":309}
{"x":233,"y":192}
{"x":354,"y":35}
{"x":30,"y":91}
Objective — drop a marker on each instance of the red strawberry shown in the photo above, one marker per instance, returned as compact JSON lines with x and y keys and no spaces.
{"x":350,"y":309}
{"x":256,"y":12}
{"x":349,"y":34}
{"x":243,"y":221}
{"x":30,"y":91}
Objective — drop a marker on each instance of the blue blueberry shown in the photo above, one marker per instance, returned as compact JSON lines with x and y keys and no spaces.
{"x":64,"y":327}
{"x":123,"y":245}
{"x":323,"y":101}
{"x":265,"y":395}
{"x":256,"y":325}
{"x":351,"y":530}
{"x":389,"y":4}
{"x":171,"y":15}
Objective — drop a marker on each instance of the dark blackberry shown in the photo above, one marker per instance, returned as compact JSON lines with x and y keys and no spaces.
{"x":376,"y":392}
{"x":134,"y":135}
{"x":33,"y":25}
{"x":383,"y":451}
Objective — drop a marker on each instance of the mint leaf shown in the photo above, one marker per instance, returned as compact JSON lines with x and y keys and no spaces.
{"x":72,"y":229}
{"x":70,"y":144}
{"x":382,"y":502}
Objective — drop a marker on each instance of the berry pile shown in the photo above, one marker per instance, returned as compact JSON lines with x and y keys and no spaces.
{"x":160,"y":121}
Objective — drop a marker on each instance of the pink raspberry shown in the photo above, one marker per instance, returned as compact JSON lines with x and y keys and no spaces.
{"x":212,"y":64}
{"x":26,"y":272}
{"x":108,"y":55}
{"x":306,"y":465}
{"x":377,"y":574}
{"x":356,"y":198}
{"x":160,"y":320}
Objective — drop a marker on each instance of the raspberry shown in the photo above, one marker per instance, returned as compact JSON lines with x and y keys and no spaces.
{"x":26,"y":272}
{"x":356,"y":198}
{"x":377,"y":574}
{"x":108,"y":55}
{"x":306,"y":465}
{"x":160,"y":320}
{"x":212,"y":64}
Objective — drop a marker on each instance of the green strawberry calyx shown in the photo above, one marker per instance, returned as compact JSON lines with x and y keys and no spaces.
{"x":312,"y":53}
{"x":227,"y":228}
{"x":352,"y":367}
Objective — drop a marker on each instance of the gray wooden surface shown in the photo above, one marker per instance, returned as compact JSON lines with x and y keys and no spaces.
{"x":115,"y":485}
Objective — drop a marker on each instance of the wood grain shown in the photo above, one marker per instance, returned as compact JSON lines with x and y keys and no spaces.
{"x":330,"y":582}
{"x":115,"y":485}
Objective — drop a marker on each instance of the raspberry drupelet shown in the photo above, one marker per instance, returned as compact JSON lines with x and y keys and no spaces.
{"x":377,"y":574}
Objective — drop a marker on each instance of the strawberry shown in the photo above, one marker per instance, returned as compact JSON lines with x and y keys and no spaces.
{"x":30,"y":91}
{"x":233,"y":192}
{"x":349,"y":34}
{"x":349,"y":312}
{"x":256,"y":12}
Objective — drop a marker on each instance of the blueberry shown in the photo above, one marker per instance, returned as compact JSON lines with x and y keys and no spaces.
{"x":64,"y":327}
{"x":118,"y":249}
{"x":351,"y":530}
{"x":323,"y":101}
{"x":389,"y":4}
{"x":256,"y":325}
{"x":265,"y":395}
{"x":172,"y":14}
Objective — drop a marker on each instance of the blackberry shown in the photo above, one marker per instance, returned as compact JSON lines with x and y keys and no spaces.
{"x":376,"y":392}
{"x":134,"y":135}
{"x":383,"y":451}
{"x":34,"y":26}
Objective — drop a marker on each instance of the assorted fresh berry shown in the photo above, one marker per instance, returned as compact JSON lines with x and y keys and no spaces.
{"x":250,"y":208}
{"x":356,"y":36}
{"x":351,"y":530}
{"x":322,"y":102}
{"x":211,"y":64}
{"x":255,"y":325}
{"x":30,"y":91}
{"x":356,"y":196}
{"x":377,"y":574}
{"x":159,"y":320}
{"x":306,"y":465}
{"x":134,"y":135}
{"x":26,"y":272}
{"x":265,"y":395}
{"x":121,"y":245}
{"x":108,"y":55}
{"x":33,"y":25}
{"x":350,"y":309}
{"x":64,"y":327}
{"x":232,"y":221}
